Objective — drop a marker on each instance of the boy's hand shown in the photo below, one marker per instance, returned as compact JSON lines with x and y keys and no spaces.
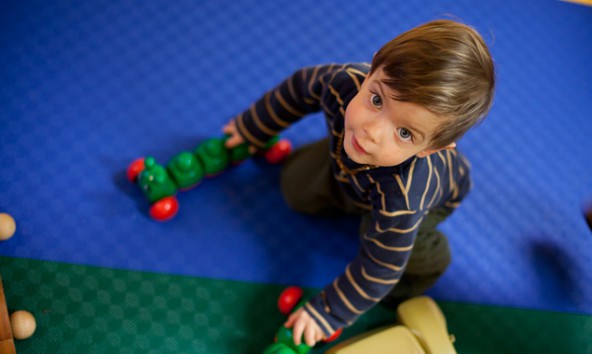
{"x":302,"y":323}
{"x":234,"y":139}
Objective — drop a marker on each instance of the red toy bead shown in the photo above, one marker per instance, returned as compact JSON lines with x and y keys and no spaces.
{"x":278,"y":152}
{"x":164,"y":209}
{"x":335,"y":335}
{"x":134,"y":169}
{"x":289,"y":299}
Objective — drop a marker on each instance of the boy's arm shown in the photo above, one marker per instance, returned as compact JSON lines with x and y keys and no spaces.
{"x":383,"y":255}
{"x":384,"y":250}
{"x":297,"y":96}
{"x":399,"y":204}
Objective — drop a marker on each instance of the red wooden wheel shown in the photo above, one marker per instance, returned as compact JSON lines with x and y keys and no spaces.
{"x":164,"y":209}
{"x":134,"y":169}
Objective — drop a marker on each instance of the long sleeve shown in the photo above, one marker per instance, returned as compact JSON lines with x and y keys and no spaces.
{"x":385,"y":247}
{"x":284,"y":105}
{"x":400,"y":200}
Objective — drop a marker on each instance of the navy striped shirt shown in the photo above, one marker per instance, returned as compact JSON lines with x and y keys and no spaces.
{"x":398,"y":197}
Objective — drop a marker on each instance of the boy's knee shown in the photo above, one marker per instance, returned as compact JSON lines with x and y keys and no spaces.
{"x":430,"y":255}
{"x":291,"y":196}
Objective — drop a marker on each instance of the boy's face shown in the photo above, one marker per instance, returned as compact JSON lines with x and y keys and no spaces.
{"x":382,"y":131}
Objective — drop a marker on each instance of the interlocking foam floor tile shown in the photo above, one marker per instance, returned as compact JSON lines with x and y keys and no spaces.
{"x":87,"y":87}
{"x":81,"y":309}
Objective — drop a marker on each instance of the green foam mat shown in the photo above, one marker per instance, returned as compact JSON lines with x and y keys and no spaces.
{"x":82,"y":309}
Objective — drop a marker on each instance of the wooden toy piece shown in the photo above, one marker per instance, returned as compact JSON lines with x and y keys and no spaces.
{"x":7,"y":226}
{"x":164,"y":209}
{"x":6,"y":340}
{"x":155,"y":182}
{"x":240,"y":154}
{"x":425,"y":319}
{"x":214,"y":156}
{"x":285,"y":336}
{"x":278,"y":152}
{"x":134,"y":169}
{"x":278,"y":348}
{"x":386,"y":340}
{"x":186,"y":170}
{"x":423,"y":332}
{"x":288,"y":299}
{"x":23,"y":324}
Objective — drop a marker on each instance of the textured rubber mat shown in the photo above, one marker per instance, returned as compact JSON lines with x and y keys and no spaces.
{"x":81,"y":309}
{"x":89,"y":86}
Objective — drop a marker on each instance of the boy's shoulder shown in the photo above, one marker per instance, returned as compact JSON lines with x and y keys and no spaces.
{"x":343,"y":80}
{"x":345,"y":72}
{"x":435,"y":172}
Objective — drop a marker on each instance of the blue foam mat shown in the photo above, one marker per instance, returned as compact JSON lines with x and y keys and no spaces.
{"x":87,"y":87}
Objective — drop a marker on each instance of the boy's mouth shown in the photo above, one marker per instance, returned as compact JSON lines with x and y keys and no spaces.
{"x":358,"y":147}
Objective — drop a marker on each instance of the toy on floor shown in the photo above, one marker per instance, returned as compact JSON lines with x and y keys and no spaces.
{"x":7,"y":226}
{"x":187,"y":169}
{"x":290,"y":300}
{"x":23,"y":324}
{"x":19,"y":325}
{"x":422,"y":331}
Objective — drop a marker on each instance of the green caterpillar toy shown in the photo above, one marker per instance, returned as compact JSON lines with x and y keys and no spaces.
{"x":289,"y":301}
{"x":186,"y":170}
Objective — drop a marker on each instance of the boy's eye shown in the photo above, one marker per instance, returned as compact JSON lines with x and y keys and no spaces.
{"x":404,"y":134}
{"x":376,"y":100}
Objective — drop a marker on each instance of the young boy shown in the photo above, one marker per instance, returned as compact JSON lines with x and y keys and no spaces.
{"x":390,"y":157}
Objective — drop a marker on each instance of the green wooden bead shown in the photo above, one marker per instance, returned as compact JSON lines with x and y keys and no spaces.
{"x":271,"y":142}
{"x":240,"y":153}
{"x":214,"y":156}
{"x":155,"y":182}
{"x":278,"y":348}
{"x":285,"y":335}
{"x":186,"y":170}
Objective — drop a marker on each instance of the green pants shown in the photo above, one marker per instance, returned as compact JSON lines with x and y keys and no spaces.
{"x":309,"y":187}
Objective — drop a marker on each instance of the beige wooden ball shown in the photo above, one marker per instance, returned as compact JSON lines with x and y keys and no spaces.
{"x":7,"y":226}
{"x":23,"y":324}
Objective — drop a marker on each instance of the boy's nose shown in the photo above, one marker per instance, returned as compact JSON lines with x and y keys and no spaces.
{"x":373,"y":129}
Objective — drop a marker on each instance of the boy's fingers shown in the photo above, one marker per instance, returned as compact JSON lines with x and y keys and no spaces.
{"x":230,"y":124}
{"x":309,"y":336}
{"x":290,"y":322}
{"x":233,"y":141}
{"x":229,"y":142}
{"x":297,"y":332}
{"x":320,"y":336}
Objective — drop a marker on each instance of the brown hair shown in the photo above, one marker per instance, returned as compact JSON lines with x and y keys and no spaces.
{"x":444,"y":66}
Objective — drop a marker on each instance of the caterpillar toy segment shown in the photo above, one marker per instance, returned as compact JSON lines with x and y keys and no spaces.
{"x":285,"y":336}
{"x":290,"y":300}
{"x":155,"y":182}
{"x":134,"y":169}
{"x":239,"y":154}
{"x":186,"y":170}
{"x":213,"y":155}
{"x":278,"y":152}
{"x":164,"y":209}
{"x":334,"y":336}
{"x":278,"y":348}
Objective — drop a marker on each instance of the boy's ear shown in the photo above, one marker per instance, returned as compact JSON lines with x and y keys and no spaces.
{"x":429,"y":151}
